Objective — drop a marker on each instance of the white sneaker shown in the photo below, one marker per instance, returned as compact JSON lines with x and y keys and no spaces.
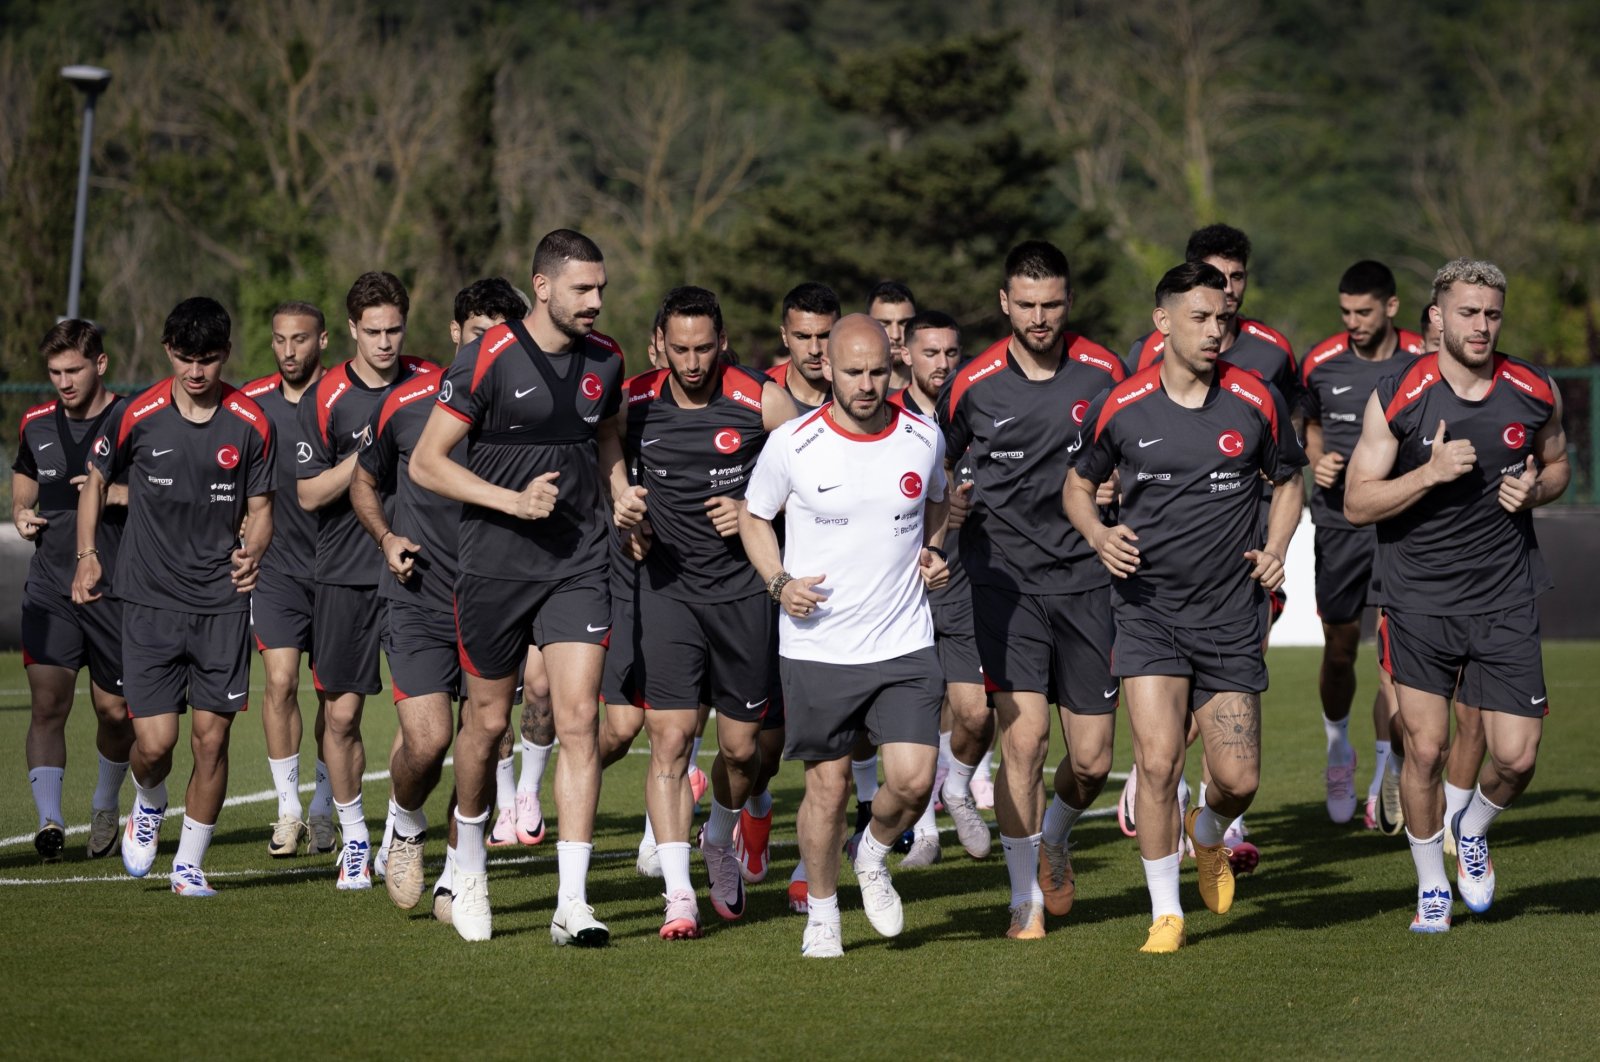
{"x":1339,"y":780}
{"x":971,"y":830}
{"x":821,"y":941}
{"x":925,"y":851}
{"x":884,"y":909}
{"x":140,"y":838}
{"x":1474,"y":868}
{"x":380,"y":863}
{"x":574,"y":923}
{"x":648,"y":864}
{"x":355,"y":868}
{"x":469,"y":911}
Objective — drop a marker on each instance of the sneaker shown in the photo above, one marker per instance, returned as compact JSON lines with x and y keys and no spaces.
{"x":1433,"y":912}
{"x":139,"y":839}
{"x":323,"y":837}
{"x":50,"y":841}
{"x":727,"y":884}
{"x":1474,"y":868}
{"x":751,"y":839}
{"x":682,"y":920}
{"x":1125,"y":804}
{"x":355,"y":869}
{"x":444,"y":900}
{"x":530,"y":819}
{"x":983,"y":793}
{"x":648,"y":864}
{"x":404,"y":879}
{"x":380,"y":863}
{"x":288,"y":834}
{"x":1212,"y":869}
{"x":469,"y":911}
{"x":971,"y":830}
{"x":575,"y":923}
{"x":821,"y":940}
{"x":799,"y":897}
{"x":925,"y":851}
{"x":1243,"y":856}
{"x":1056,"y":878}
{"x":190,"y":881}
{"x":1027,"y":922}
{"x":104,"y":830}
{"x":903,"y":843}
{"x":1339,"y":779}
{"x":505,"y":830}
{"x":882,"y":903}
{"x":1391,"y":815}
{"x":863,"y":816}
{"x":698,"y":783}
{"x":1370,"y":820}
{"x":1166,"y":936}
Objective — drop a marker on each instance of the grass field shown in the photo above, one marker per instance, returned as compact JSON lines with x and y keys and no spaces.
{"x":1313,"y":961}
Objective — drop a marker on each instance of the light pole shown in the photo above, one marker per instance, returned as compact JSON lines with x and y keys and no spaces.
{"x":93,"y":81}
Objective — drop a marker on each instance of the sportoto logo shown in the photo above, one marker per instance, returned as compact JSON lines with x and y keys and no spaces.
{"x":727,"y":441}
{"x":1514,"y":436}
{"x":302,"y":452}
{"x":592,"y":388}
{"x":1231,"y":443}
{"x":228,"y":457}
{"x":102,"y":446}
{"x":1079,"y":408}
{"x":911,"y":485}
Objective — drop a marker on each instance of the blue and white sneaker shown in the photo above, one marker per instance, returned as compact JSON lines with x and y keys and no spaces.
{"x":1433,"y":912}
{"x":1474,"y":868}
{"x":355,"y":870}
{"x":190,"y":881}
{"x":140,"y":837}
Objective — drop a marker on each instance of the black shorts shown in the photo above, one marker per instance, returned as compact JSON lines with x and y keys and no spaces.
{"x":1344,"y":571}
{"x":1221,"y":659}
{"x":708,"y":652}
{"x":497,"y":619}
{"x":345,"y":630}
{"x":955,"y":637}
{"x":281,"y":608}
{"x":621,"y":679}
{"x":60,"y":634}
{"x":829,"y":705}
{"x":421,"y":646}
{"x":1055,"y":644}
{"x":177,"y":659}
{"x":1493,"y":660}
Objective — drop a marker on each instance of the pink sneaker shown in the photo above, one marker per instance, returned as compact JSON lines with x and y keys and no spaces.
{"x":1370,"y":820}
{"x":505,"y":830}
{"x":1125,"y":806}
{"x":983,"y":793}
{"x":530,"y":819}
{"x":698,"y":782}
{"x":938,"y":786}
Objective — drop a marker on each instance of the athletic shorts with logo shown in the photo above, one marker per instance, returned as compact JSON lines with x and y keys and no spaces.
{"x":420,"y":643}
{"x":281,"y":610}
{"x":346,"y":627}
{"x":828,"y":705}
{"x":61,"y":634}
{"x":1221,"y":659}
{"x":722,"y":648}
{"x":1491,"y":660}
{"x":505,"y":616}
{"x":177,"y":659}
{"x":1344,"y":571}
{"x":621,"y":681}
{"x":1055,"y":644}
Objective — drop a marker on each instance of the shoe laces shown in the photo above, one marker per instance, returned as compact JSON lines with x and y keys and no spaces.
{"x":1342,"y":779}
{"x":146,"y":825}
{"x":470,"y":902}
{"x":190,"y":875}
{"x":354,"y":860}
{"x":1022,"y":913}
{"x":820,"y":933}
{"x":1057,"y":858}
{"x":1434,"y":905}
{"x":1474,"y":855}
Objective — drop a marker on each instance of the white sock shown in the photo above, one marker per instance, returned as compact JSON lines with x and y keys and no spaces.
{"x":505,"y":784}
{"x":46,"y":785}
{"x":926,"y":825}
{"x":1338,"y":735}
{"x":871,"y":854}
{"x":945,"y":755}
{"x":572,"y":866}
{"x":674,"y":856}
{"x":1428,"y":856}
{"x":192,"y":844}
{"x":823,"y":909}
{"x":447,"y":876}
{"x":866,"y":775}
{"x":154,"y":797}
{"x":1479,"y":814}
{"x":694,"y":752}
{"x":1183,"y":792}
{"x":985,"y":769}
{"x":1059,"y":818}
{"x":109,"y":788}
{"x":286,"y":780}
{"x":353,"y":821}
{"x":388,"y":823}
{"x":958,"y":783}
{"x":406,"y":823}
{"x":322,"y":796}
{"x":1454,"y":800}
{"x":719,"y":827}
{"x":1022,"y":866}
{"x":1209,"y":827}
{"x":472,"y":857}
{"x":1379,"y":763}
{"x":1161,"y":878}
{"x":534,"y":760}
{"x":760,"y":804}
{"x":799,"y":872}
{"x":648,"y":840}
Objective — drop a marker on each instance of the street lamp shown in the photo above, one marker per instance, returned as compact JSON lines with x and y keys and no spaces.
{"x":92,"y":80}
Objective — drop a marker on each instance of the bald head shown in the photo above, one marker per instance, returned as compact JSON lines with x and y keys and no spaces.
{"x":858,"y":366}
{"x":858,"y":338}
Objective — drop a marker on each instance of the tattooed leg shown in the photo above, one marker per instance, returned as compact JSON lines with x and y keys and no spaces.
{"x":1230,"y":730}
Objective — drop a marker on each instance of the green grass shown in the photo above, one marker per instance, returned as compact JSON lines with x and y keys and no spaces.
{"x":1313,"y":961}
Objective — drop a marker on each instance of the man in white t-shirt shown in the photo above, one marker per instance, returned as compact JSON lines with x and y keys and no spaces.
{"x":861,"y":484}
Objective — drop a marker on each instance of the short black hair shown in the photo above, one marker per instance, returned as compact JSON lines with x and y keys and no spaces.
{"x":930,"y":321}
{"x":810,"y":297}
{"x":1181,"y":279}
{"x":489,"y":297}
{"x":299,"y":308}
{"x":1038,"y":260}
{"x":376,"y":288}
{"x":72,"y":334}
{"x":1218,"y":241}
{"x":197,"y":327}
{"x":1427,"y":318}
{"x":892,"y":292}
{"x":1368,"y":277}
{"x":690,"y":301}
{"x":560,"y":247}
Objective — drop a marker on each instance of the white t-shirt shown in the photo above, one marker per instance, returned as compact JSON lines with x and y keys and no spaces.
{"x":854,"y":510}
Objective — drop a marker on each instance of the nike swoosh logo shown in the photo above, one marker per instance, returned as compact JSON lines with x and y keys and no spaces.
{"x":1111,"y":693}
{"x":358,"y":434}
{"x":1427,"y":442}
{"x":45,"y":446}
{"x":1538,"y":700}
{"x":236,"y":696}
{"x":1342,"y":390}
{"x":592,"y":629}
{"x":159,"y":453}
{"x":750,"y":707}
{"x":1143,"y":443}
{"x":529,"y":391}
{"x":823,"y":490}
{"x":649,"y":442}
{"x":1002,"y":423}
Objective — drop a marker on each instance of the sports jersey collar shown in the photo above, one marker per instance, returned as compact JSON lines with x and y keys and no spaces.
{"x":1016,"y":367}
{"x":894,"y":418}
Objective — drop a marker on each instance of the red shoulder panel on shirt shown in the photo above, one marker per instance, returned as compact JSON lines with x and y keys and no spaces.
{"x":1333,"y":346}
{"x":1251,"y":389}
{"x":1421,"y":376}
{"x":1150,"y":349}
{"x":240,"y":405}
{"x":1136,"y":388}
{"x":646,"y":387}
{"x":156,"y":396}
{"x":426,"y":383}
{"x":1270,"y":334}
{"x":35,"y":413}
{"x":1088,"y":352}
{"x":743,"y":386}
{"x":1410,"y":342}
{"x":988,"y":363}
{"x":334,"y":385}
{"x":600,"y":339}
{"x":263,"y":385}
{"x":1524,"y":378}
{"x":491,"y":345}
{"x":779,"y":374}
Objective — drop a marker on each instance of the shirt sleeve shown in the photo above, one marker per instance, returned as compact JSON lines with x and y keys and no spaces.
{"x":25,"y":464}
{"x":957,"y":434}
{"x":112,"y":451}
{"x":1098,"y":455}
{"x":263,"y":475}
{"x":1310,"y":400}
{"x":1282,"y":455}
{"x":379,"y":454}
{"x":317,"y":457}
{"x":456,"y":392}
{"x":770,"y":483}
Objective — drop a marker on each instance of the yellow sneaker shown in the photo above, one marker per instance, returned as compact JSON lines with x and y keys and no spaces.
{"x":1056,"y":878}
{"x":1212,"y":868}
{"x":1166,"y":935}
{"x":1027,"y":922}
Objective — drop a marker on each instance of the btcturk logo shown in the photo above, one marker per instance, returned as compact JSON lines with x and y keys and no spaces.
{"x":911,"y":485}
{"x":1231,"y":443}
{"x":228,"y":457}
{"x":1514,"y":436}
{"x":1079,"y":408}
{"x":727,"y":441}
{"x":591,"y":386}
